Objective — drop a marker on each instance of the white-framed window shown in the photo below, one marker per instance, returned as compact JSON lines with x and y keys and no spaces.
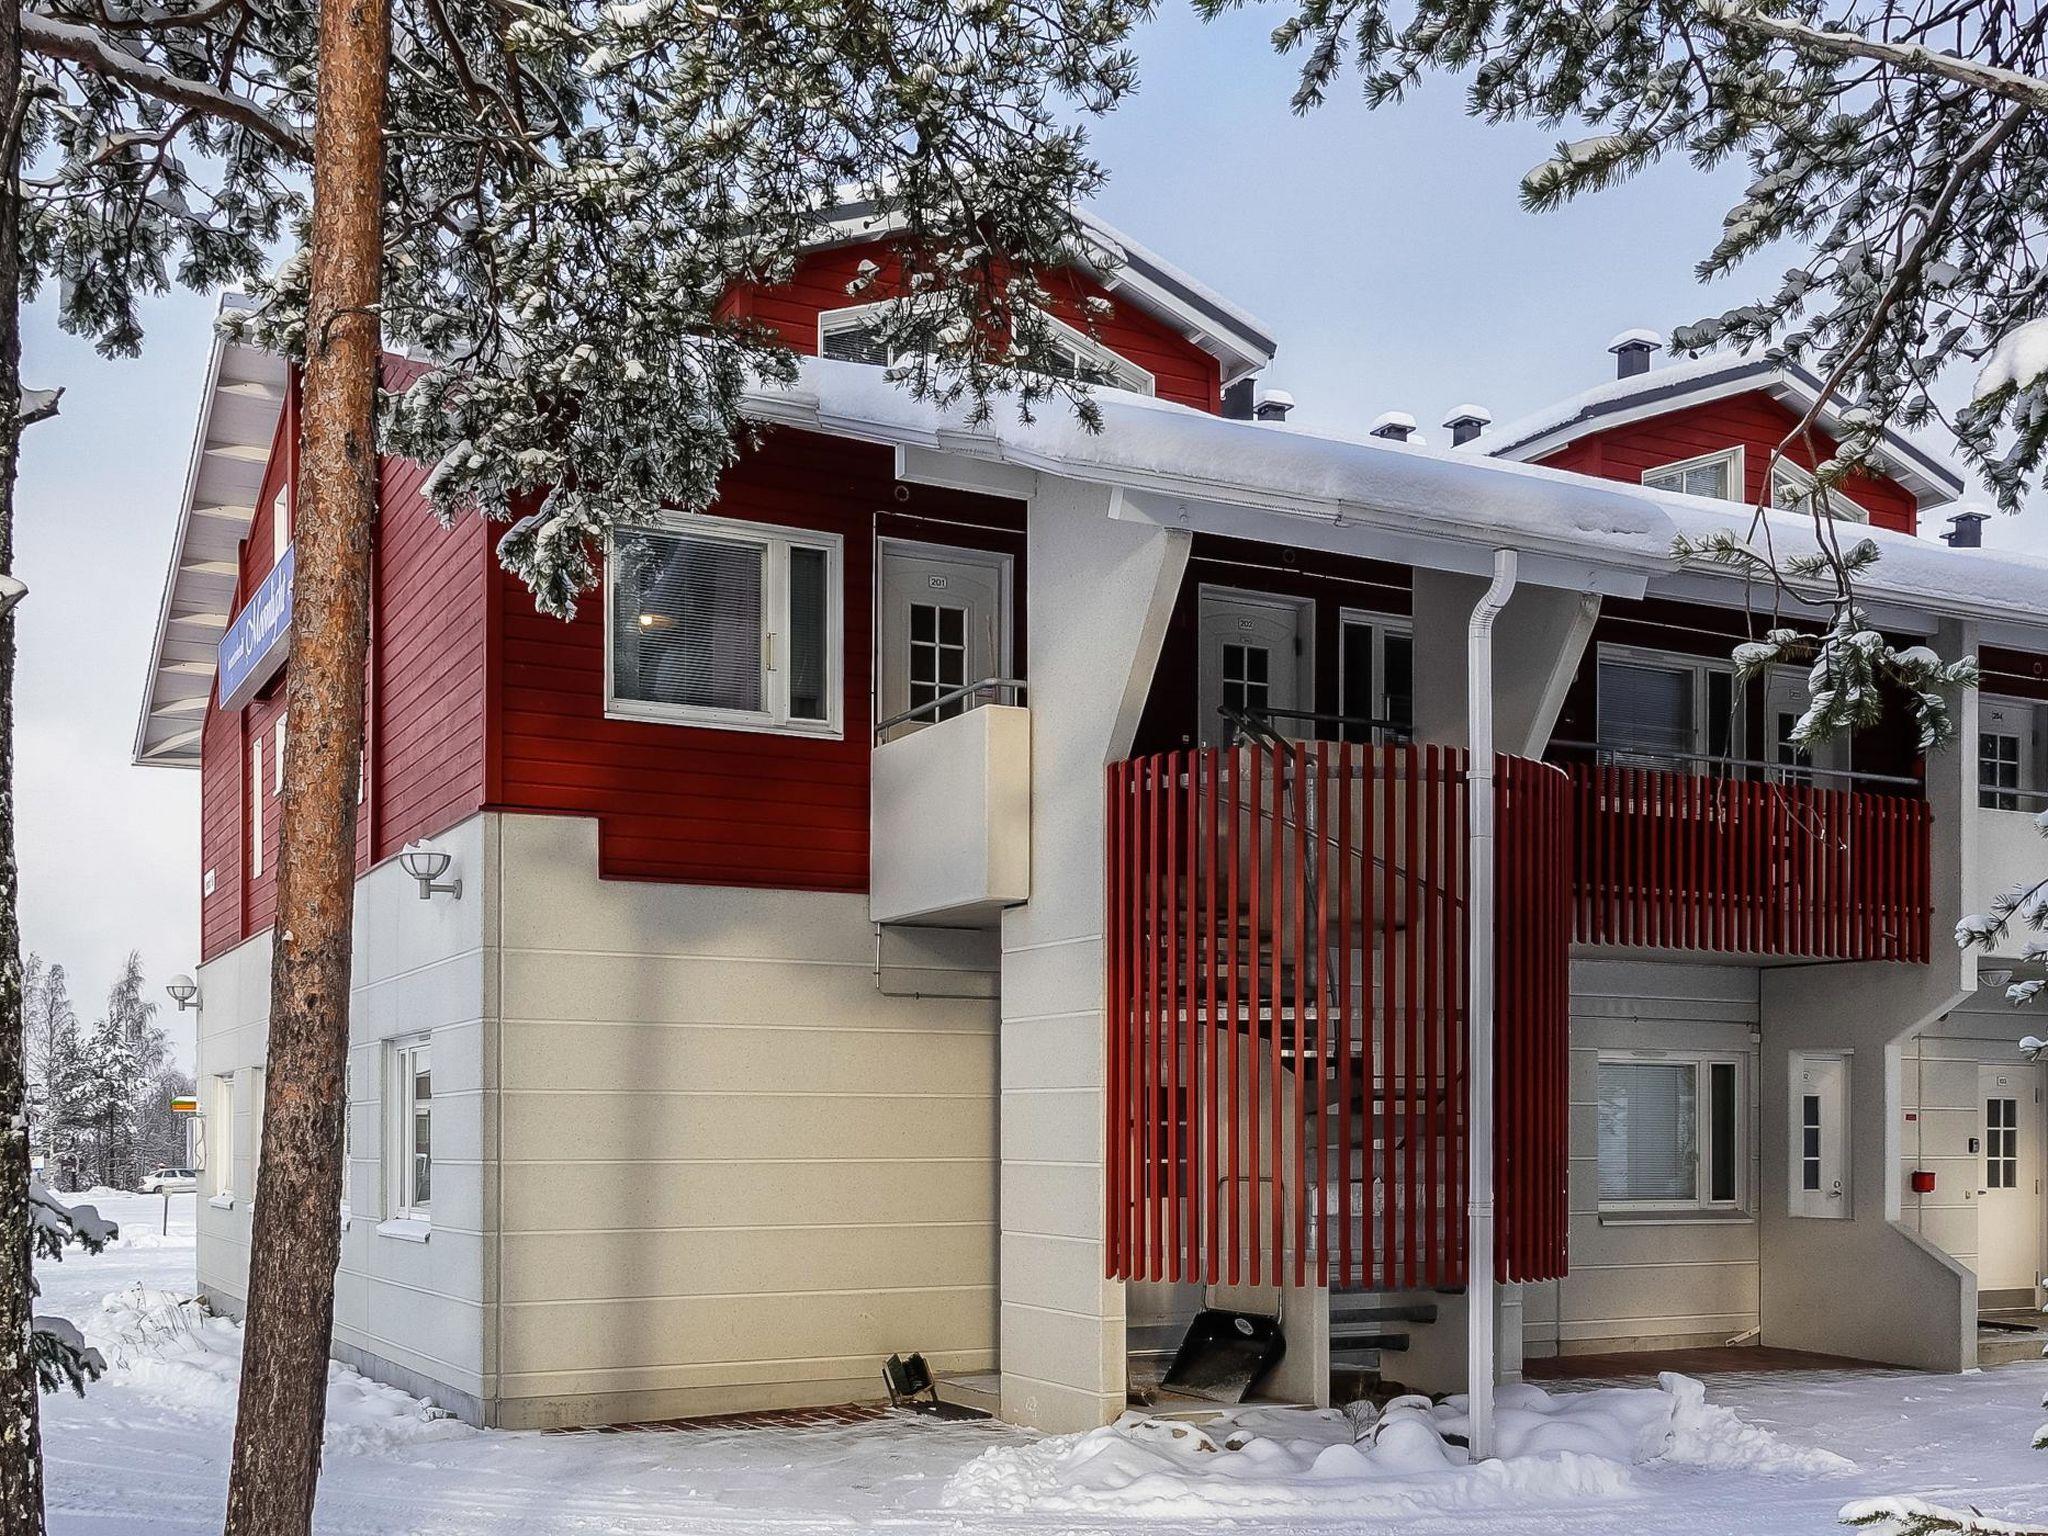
{"x":256,"y":805}
{"x":412,"y":1129}
{"x":714,"y":622}
{"x":220,"y":1137}
{"x":278,"y":778}
{"x":348,"y":1144}
{"x":1791,"y":487}
{"x":1659,"y":710}
{"x":281,"y":523}
{"x":2008,"y":754}
{"x":1670,"y":1131}
{"x":1718,"y":475}
{"x":854,"y":335}
{"x":1375,"y":674}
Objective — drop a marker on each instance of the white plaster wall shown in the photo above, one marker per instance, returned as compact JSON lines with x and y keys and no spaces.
{"x":1100,"y":594}
{"x":1678,"y":1282}
{"x":736,"y":1174}
{"x":950,"y":819}
{"x":408,"y":1312}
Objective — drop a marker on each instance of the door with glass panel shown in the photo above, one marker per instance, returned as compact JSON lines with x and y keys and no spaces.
{"x":2005,"y":755}
{"x":1254,"y":657}
{"x":943,"y":624}
{"x":2009,"y":1179}
{"x":1820,"y":1135}
{"x":1786,"y":700}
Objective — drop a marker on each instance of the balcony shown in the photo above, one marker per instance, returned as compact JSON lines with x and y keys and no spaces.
{"x":1287,"y":940}
{"x":950,"y":810}
{"x":1749,"y":859}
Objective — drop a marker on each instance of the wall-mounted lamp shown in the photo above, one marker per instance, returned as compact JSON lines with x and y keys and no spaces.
{"x":428,"y":865}
{"x":1994,"y":978}
{"x":184,"y":992}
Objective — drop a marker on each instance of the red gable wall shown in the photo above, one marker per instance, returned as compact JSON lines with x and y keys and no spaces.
{"x":1181,"y":371}
{"x":1755,"y":421}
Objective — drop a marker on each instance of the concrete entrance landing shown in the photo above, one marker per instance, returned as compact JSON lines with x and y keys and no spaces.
{"x":1720,"y":1360}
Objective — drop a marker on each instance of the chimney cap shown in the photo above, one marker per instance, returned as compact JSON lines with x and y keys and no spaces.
{"x":1273,"y":405}
{"x":1640,"y":339}
{"x":1478,"y":415}
{"x":1393,"y":424}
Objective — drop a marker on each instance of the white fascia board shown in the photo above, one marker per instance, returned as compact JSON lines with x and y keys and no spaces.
{"x":1709,"y":588}
{"x":952,"y":472}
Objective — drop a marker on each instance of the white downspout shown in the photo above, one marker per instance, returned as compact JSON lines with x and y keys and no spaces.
{"x":1479,"y":1304}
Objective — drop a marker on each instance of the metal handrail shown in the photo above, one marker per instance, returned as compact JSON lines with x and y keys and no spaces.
{"x":1612,"y":752}
{"x":1257,"y":724}
{"x":1012,"y":684}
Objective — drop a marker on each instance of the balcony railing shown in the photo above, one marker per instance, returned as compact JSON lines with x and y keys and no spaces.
{"x":1750,"y":858}
{"x":1286,"y":928}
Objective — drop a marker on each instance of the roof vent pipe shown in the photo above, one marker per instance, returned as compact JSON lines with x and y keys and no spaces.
{"x":1467,"y":422}
{"x":1632,"y":352}
{"x":1273,"y":405}
{"x":1237,"y":400}
{"x":1394,"y":426}
{"x":1966,"y":529}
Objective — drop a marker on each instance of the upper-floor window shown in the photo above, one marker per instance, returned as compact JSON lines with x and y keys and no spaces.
{"x":854,"y":335}
{"x":280,"y":524}
{"x":1792,"y":489}
{"x":722,"y":623}
{"x":1666,"y":711}
{"x":1718,"y":475}
{"x":1376,"y":676}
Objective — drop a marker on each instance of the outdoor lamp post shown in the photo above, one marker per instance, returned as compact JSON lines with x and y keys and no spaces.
{"x":427,"y":865}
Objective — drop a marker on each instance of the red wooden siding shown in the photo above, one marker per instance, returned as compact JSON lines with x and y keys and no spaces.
{"x":1181,"y":370}
{"x":1242,"y":884}
{"x":1683,"y":861}
{"x":1754,"y":421}
{"x":425,"y":752}
{"x":687,"y":803}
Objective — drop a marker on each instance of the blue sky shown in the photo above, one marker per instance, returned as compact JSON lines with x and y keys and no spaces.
{"x":1386,"y":250}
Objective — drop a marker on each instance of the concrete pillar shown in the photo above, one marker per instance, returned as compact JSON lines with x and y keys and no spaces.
{"x":1537,"y":644}
{"x":1100,"y":595}
{"x":1867,"y":1285}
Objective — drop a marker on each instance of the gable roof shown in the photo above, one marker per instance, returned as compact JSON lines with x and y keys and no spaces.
{"x":1238,"y":340}
{"x":1931,"y":478}
{"x":238,"y":413}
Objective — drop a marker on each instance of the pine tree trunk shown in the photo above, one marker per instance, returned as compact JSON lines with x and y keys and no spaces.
{"x":21,"y":1452}
{"x":296,"y":1234}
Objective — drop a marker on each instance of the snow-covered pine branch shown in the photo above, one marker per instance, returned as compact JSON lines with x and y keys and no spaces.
{"x":58,"y":1353}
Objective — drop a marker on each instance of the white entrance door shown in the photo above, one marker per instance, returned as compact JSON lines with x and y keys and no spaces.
{"x":2009,"y":1179}
{"x":1820,"y":1135}
{"x":943,"y":623}
{"x":1786,"y":699}
{"x":1254,"y":657}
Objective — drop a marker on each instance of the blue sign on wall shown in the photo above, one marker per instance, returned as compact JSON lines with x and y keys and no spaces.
{"x":258,"y":640}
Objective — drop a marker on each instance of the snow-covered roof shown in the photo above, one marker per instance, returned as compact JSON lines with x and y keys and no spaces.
{"x":1236,"y":338}
{"x":1932,"y":480}
{"x":238,"y":412}
{"x":1438,"y":508}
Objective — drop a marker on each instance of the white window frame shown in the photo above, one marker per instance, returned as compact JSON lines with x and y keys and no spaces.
{"x":1086,"y":350}
{"x":255,"y":806}
{"x":2026,"y":794}
{"x":774,"y":719}
{"x":400,"y":1065}
{"x":1701,"y":667}
{"x":1382,"y":625}
{"x":1734,"y":458}
{"x":1803,"y":484}
{"x":220,"y":1141}
{"x":1703,"y":1134}
{"x":278,"y":783}
{"x":281,"y":523}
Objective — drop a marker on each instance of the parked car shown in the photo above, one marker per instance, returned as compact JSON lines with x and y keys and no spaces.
{"x":170,"y":1181}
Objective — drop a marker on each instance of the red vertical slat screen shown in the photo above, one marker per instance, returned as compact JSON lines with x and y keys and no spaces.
{"x":1286,"y":950}
{"x":1682,"y":861}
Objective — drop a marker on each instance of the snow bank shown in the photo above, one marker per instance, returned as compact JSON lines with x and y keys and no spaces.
{"x":166,"y":1347}
{"x":1406,"y":1459}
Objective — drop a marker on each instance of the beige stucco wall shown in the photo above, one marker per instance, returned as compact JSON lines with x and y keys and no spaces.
{"x":1671,"y":1283}
{"x":408,"y":1312}
{"x":736,"y":1173}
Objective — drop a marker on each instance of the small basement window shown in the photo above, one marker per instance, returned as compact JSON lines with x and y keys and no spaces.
{"x":1670,"y":1132}
{"x":719,"y":623}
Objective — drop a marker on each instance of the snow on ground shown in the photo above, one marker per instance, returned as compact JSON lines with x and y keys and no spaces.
{"x":145,"y":1453}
